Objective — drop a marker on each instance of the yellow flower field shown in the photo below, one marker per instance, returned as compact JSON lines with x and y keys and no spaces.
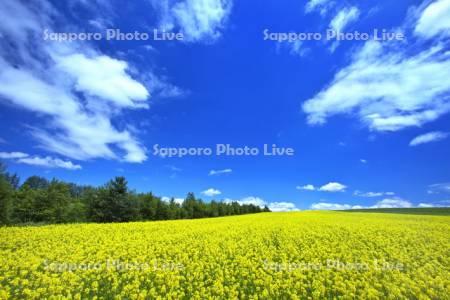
{"x":304,"y":255}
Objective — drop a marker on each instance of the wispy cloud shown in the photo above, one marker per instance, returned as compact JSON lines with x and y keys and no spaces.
{"x":308,"y":187}
{"x":12,"y":155}
{"x":47,"y":162}
{"x":199,"y":20}
{"x":321,"y":6}
{"x":372,"y":194}
{"x":434,"y":20}
{"x":439,"y":188}
{"x":220,"y":172}
{"x":173,"y":168}
{"x":429,"y":137}
{"x":388,"y":85}
{"x":79,"y":89}
{"x":343,"y":18}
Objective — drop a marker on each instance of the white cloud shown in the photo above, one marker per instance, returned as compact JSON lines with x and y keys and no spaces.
{"x":160,"y":87}
{"x":76,"y":88}
{"x":318,"y":5}
{"x":308,"y":187}
{"x":385,"y":203}
{"x":220,"y":172}
{"x":282,"y":207}
{"x":199,"y":20}
{"x":177,"y":200}
{"x":273,"y":206}
{"x":388,"y":86}
{"x":173,"y":168}
{"x":250,"y":200}
{"x":343,"y":18}
{"x":434,"y":20}
{"x":364,"y":161}
{"x":12,"y":155}
{"x":103,"y":77}
{"x":438,"y":188}
{"x":47,"y":162}
{"x":392,"y":203}
{"x":442,"y":203}
{"x":372,"y":194}
{"x":330,"y":206}
{"x":333,"y":187}
{"x":211,"y":192}
{"x":425,"y":205}
{"x":434,"y":136}
{"x":298,"y":48}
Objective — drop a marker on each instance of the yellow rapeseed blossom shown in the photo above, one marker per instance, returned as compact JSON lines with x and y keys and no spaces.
{"x":303,"y":255}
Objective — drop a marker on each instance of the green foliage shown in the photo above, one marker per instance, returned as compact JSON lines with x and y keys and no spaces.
{"x":5,"y":201}
{"x":5,"y":197}
{"x":39,"y":200}
{"x":36,"y":183}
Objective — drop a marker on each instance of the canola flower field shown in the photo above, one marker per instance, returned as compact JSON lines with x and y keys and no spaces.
{"x":301,"y":255}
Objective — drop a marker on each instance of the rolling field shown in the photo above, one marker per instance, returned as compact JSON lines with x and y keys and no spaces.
{"x":303,"y":255}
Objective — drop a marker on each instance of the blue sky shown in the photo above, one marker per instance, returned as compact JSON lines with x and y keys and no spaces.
{"x":368,"y":120}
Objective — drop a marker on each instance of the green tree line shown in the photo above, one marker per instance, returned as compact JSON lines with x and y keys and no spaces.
{"x":39,"y":200}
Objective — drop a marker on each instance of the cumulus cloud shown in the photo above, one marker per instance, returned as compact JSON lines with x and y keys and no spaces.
{"x":434,"y":20}
{"x":199,"y":20}
{"x":425,"y":205}
{"x":385,"y":203}
{"x":77,"y":90}
{"x":211,"y":192}
{"x":177,"y":200}
{"x":249,"y":200}
{"x":282,"y":206}
{"x":103,"y":77}
{"x":273,"y":206}
{"x":343,"y":18}
{"x":429,"y":137}
{"x":333,"y":187}
{"x":220,"y":172}
{"x":392,"y":203}
{"x":387,"y":90}
{"x":47,"y":162}
{"x":331,"y":206}
{"x":388,"y":86}
{"x":308,"y":187}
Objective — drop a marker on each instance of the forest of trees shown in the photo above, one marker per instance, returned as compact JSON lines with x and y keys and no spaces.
{"x":39,"y":200}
